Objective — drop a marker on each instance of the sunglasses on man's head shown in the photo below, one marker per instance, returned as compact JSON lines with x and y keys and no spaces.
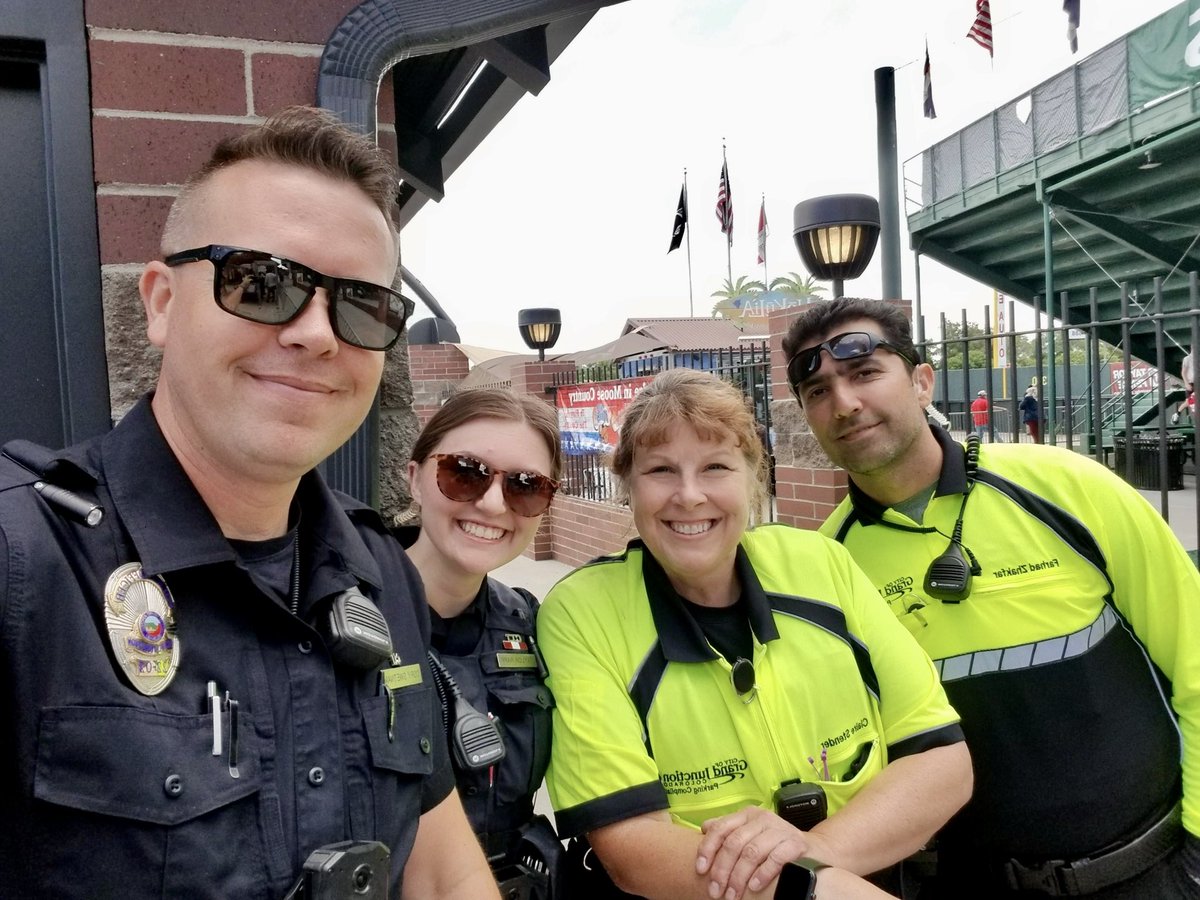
{"x":850,"y":345}
{"x":465,"y":478}
{"x":271,"y":290}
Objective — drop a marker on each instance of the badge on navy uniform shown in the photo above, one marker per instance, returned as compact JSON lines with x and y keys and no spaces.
{"x":515,"y":653}
{"x":140,"y":616}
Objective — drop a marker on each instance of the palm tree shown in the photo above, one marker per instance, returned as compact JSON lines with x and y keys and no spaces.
{"x":794,"y":286}
{"x":731,"y":294}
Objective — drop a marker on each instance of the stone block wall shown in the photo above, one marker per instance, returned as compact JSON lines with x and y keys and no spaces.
{"x":168,"y":80}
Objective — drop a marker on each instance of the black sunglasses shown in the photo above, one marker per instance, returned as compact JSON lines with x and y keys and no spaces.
{"x":465,"y":478}
{"x":850,"y":345}
{"x":271,"y":290}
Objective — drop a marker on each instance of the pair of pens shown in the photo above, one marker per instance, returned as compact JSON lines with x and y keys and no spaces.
{"x":824,"y":765}
{"x":215,"y":707}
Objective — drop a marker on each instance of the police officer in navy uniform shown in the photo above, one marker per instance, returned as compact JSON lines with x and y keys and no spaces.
{"x":483,"y":471}
{"x":187,"y":713}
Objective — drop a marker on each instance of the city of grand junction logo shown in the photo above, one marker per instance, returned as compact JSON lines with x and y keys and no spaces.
{"x":709,"y":778}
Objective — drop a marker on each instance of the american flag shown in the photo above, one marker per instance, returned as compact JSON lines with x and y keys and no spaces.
{"x":930,"y":112}
{"x":981,"y":30}
{"x":725,"y":202}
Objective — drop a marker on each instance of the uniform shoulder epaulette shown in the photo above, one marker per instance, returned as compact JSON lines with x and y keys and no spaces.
{"x":515,"y":601}
{"x":360,"y":514}
{"x":64,"y":484}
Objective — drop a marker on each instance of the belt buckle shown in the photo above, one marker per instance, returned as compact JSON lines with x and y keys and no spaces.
{"x":1052,"y":877}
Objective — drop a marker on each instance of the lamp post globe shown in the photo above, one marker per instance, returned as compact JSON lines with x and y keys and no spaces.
{"x":836,"y":236}
{"x":539,"y":328}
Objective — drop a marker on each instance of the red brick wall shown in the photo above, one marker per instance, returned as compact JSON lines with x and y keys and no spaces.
{"x":583,"y":530}
{"x":170,"y":78}
{"x":535,"y":377}
{"x":436,"y":370}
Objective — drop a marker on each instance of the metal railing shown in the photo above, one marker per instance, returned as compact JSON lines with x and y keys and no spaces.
{"x":747,"y":367}
{"x":1120,"y":420}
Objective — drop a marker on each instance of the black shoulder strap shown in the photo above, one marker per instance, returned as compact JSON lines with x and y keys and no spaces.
{"x":645,"y":685}
{"x":1072,"y":532}
{"x":49,"y":465}
{"x":847,"y":524}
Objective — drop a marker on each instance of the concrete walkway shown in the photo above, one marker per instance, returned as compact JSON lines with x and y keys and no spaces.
{"x":1181,"y":511}
{"x":537,"y":576}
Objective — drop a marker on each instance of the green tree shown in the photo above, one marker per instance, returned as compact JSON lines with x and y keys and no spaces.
{"x":977,"y":355}
{"x":730,"y":293}
{"x":794,"y":286}
{"x":1026,"y":348}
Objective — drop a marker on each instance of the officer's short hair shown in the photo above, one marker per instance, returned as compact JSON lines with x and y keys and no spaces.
{"x":492,"y":403}
{"x":714,"y":408}
{"x":825,"y":317}
{"x":304,"y":137}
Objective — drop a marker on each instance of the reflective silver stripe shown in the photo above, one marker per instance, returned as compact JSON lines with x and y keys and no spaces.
{"x":1026,"y":656}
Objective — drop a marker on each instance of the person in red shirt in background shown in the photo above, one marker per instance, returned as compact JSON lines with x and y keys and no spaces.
{"x":979,"y":414}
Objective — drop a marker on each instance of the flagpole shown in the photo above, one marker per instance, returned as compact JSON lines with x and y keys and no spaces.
{"x":687,"y":233}
{"x":729,"y":233}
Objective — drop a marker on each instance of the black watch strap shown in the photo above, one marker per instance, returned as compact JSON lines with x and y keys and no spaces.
{"x":798,"y":880}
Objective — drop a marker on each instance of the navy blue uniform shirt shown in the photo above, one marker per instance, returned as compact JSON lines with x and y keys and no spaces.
{"x":113,"y":793}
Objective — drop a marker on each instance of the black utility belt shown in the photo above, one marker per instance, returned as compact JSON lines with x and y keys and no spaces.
{"x":1060,"y":878}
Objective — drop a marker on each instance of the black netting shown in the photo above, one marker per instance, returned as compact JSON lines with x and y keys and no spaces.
{"x":1055,"y":117}
{"x":979,"y":151}
{"x":1104,"y":97}
{"x":1014,"y":129}
{"x":947,"y":168}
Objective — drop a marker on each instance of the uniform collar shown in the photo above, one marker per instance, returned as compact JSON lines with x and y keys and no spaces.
{"x":951,"y":480}
{"x":169,"y":524}
{"x":680,"y":636}
{"x":459,"y":635}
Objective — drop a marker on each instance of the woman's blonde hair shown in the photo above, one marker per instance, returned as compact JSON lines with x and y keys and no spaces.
{"x":714,"y":408}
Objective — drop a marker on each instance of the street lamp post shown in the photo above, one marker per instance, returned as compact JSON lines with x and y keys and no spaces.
{"x":836,"y":236}
{"x":539,"y":329}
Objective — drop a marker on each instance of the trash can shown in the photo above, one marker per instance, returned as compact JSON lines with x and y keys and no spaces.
{"x":1145,"y":473}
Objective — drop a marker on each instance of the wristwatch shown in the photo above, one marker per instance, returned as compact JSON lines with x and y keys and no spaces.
{"x":798,"y":880}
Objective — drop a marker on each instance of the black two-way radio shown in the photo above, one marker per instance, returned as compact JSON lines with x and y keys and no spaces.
{"x":948,"y":577}
{"x":474,"y":737}
{"x":355,"y":631}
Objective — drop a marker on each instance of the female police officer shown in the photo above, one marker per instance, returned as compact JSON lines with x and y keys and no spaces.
{"x":484,"y":471}
{"x":704,"y":668}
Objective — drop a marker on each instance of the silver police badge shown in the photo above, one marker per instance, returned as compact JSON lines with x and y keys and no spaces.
{"x":140,"y":616}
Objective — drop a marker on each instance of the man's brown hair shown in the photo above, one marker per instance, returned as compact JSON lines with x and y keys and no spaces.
{"x":305,"y":137}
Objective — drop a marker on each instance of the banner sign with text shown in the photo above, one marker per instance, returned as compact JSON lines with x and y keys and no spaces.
{"x":590,"y":415}
{"x":1143,"y":378}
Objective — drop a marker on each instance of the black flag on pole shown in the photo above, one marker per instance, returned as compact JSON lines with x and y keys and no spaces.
{"x":930,"y":112}
{"x":681,"y":220}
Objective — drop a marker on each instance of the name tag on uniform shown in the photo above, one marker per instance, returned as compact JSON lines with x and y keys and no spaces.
{"x":516,"y":660}
{"x":398,"y":677}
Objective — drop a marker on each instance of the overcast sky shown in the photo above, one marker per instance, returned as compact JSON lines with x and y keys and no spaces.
{"x":570,"y":201}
